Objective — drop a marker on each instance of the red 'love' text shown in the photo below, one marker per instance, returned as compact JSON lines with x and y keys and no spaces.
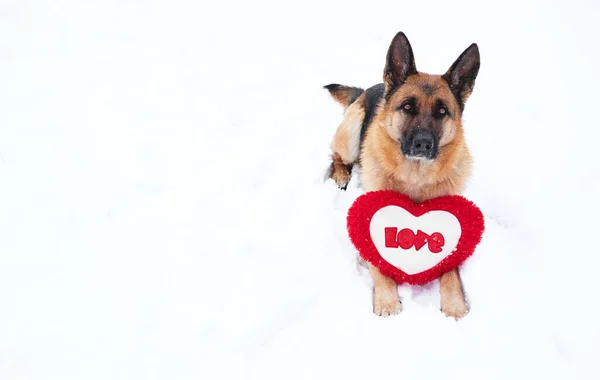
{"x":407,"y":239}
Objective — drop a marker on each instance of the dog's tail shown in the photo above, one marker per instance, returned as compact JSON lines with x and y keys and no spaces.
{"x":345,"y":95}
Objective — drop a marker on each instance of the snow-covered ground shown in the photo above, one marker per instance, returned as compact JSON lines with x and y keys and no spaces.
{"x":163,"y":214}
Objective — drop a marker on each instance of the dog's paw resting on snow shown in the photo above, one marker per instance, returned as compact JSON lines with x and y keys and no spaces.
{"x":452,"y":298}
{"x":339,"y":172}
{"x":456,"y":310}
{"x":386,"y":301}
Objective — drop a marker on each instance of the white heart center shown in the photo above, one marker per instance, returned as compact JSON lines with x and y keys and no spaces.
{"x":409,"y":259}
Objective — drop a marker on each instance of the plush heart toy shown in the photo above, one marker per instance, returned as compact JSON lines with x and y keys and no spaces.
{"x":414,"y":242}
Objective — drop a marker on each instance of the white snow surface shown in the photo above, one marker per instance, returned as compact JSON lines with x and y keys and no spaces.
{"x":163,"y":213}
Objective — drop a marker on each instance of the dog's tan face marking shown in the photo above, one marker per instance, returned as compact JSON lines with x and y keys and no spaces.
{"x":423,"y":102}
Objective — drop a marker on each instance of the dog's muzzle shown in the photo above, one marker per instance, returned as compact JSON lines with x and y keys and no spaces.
{"x":420,"y":144}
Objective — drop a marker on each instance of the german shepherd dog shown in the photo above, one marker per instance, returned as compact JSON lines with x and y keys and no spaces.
{"x":407,"y":135}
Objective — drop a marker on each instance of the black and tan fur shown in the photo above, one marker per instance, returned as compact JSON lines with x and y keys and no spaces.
{"x":407,"y":135}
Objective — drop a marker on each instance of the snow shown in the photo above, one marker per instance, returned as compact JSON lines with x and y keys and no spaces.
{"x":164,"y":214}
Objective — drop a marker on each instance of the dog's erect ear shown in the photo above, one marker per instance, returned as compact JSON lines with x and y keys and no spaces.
{"x":461,"y":75}
{"x":399,"y":64}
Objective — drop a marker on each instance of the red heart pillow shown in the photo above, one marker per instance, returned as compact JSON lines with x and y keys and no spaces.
{"x":414,"y":242}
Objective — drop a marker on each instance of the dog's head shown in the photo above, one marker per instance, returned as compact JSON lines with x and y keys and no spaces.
{"x":423,"y":112}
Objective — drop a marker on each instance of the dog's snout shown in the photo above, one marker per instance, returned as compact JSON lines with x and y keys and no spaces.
{"x":421,"y":143}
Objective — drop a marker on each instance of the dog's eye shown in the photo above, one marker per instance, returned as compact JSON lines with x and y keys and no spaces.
{"x":441,"y":112}
{"x":408,"y":107}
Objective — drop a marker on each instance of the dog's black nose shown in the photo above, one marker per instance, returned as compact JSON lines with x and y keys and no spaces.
{"x":420,"y":144}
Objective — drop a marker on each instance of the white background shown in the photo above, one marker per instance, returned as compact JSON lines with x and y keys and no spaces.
{"x":162,"y":213}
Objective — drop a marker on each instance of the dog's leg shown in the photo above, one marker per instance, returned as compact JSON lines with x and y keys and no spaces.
{"x":385,"y":294}
{"x":346,"y":144}
{"x":452,"y":298}
{"x":339,"y":171}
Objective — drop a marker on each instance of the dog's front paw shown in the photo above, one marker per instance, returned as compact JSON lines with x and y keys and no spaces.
{"x":386,"y":304}
{"x":456,"y":310}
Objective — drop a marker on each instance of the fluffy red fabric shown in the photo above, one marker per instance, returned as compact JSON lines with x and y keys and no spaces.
{"x":363,"y":209}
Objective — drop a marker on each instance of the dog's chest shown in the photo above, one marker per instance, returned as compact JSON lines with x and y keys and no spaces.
{"x":416,"y":188}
